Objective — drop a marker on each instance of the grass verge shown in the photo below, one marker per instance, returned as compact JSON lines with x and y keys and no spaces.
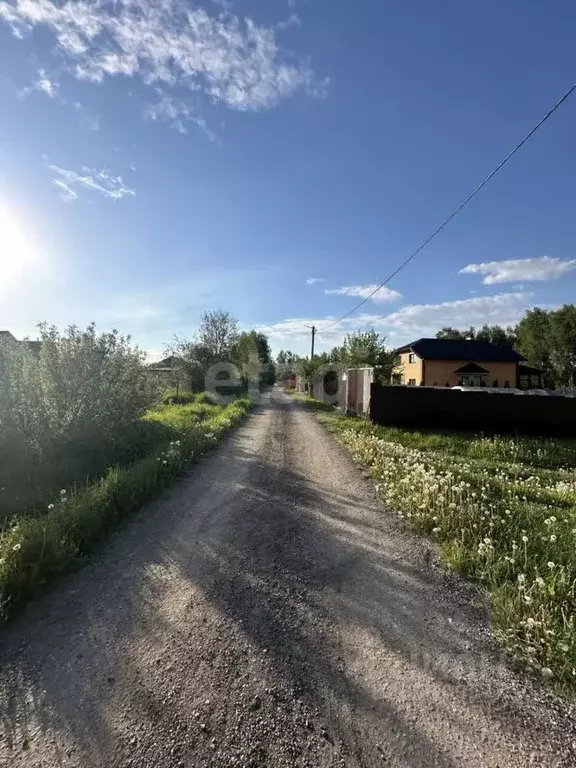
{"x":35,"y":548}
{"x":502,"y":510}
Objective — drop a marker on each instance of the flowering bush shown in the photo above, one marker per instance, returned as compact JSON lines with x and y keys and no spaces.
{"x":503,"y":511}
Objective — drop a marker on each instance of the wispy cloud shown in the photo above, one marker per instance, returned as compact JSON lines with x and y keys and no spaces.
{"x":425,"y":319}
{"x":312,"y":280}
{"x":49,"y":86}
{"x":516,"y":270}
{"x":46,"y":84}
{"x":233,"y":61}
{"x":406,"y":324}
{"x":68,"y":182}
{"x":91,"y":122}
{"x":364,"y":291}
{"x":297,"y":330}
{"x":43,"y":83}
{"x":177,"y":112}
{"x":292,"y":21}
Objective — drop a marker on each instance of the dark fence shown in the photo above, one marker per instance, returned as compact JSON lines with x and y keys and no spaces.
{"x":421,"y":408}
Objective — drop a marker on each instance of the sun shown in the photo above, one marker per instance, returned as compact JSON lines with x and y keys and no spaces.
{"x":16,"y":251}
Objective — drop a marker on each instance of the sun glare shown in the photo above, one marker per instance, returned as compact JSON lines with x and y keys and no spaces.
{"x":16,"y":252}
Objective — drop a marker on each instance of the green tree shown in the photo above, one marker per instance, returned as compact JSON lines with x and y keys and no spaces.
{"x":368,"y":348}
{"x":534,"y":341}
{"x":218,"y":335}
{"x":214,"y":343}
{"x":251,"y":354}
{"x":496,"y":334}
{"x":562,"y":336}
{"x":286,"y":364}
{"x":452,"y":333}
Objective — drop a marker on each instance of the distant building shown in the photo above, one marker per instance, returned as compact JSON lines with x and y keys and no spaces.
{"x":8,"y":338}
{"x":168,"y":365}
{"x":468,"y":363}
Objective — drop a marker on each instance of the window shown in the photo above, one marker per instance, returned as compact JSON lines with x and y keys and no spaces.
{"x":411,"y":357}
{"x":411,"y":382}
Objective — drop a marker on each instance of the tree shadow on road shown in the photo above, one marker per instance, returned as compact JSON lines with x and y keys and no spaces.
{"x":303,"y":571}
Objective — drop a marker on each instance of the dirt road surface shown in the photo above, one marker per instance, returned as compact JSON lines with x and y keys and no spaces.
{"x":268,"y":611}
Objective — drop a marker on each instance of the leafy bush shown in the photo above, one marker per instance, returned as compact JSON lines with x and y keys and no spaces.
{"x":68,"y":410}
{"x":36,"y":549}
{"x":184,"y":398}
{"x":80,"y":383}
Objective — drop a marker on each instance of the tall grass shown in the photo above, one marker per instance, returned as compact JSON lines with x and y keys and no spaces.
{"x":38,"y":545}
{"x":503,"y":511}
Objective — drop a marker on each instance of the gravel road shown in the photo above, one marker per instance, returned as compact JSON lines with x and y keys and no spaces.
{"x":268,"y":611}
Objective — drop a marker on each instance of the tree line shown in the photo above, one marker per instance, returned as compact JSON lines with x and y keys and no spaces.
{"x":217,"y":343}
{"x":545,"y":337}
{"x":359,"y":349}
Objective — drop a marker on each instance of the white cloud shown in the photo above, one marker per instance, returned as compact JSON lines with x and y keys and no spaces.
{"x":232,"y":60}
{"x":516,"y":270}
{"x":295,"y":332}
{"x":45,"y":84}
{"x":404,"y":325}
{"x":425,"y":319}
{"x":312,"y":280}
{"x":177,"y":112}
{"x":103,"y":182}
{"x":292,"y":21}
{"x":364,"y":291}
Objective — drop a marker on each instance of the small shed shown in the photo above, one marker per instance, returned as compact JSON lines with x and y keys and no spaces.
{"x":529,"y":377}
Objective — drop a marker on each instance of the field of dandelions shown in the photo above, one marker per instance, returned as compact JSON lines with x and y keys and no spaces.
{"x":503,"y":511}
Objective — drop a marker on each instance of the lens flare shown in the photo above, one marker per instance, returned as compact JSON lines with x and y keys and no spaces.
{"x":16,"y":251}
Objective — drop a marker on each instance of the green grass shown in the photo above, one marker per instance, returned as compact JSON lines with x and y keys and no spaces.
{"x":172,"y":397}
{"x":502,"y":510}
{"x":39,"y":545}
{"x":30,"y":478}
{"x":315,"y":405}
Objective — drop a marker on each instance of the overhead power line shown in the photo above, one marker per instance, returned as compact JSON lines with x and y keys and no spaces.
{"x":457,"y":210}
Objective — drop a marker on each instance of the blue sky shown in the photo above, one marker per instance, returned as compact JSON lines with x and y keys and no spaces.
{"x":161,"y":158}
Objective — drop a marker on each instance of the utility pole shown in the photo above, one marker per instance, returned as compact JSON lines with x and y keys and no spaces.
{"x":313,"y":335}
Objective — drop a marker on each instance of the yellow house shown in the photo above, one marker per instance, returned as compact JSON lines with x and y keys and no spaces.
{"x":451,"y":363}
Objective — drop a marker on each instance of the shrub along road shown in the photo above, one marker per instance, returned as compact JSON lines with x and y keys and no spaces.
{"x":267,"y":611}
